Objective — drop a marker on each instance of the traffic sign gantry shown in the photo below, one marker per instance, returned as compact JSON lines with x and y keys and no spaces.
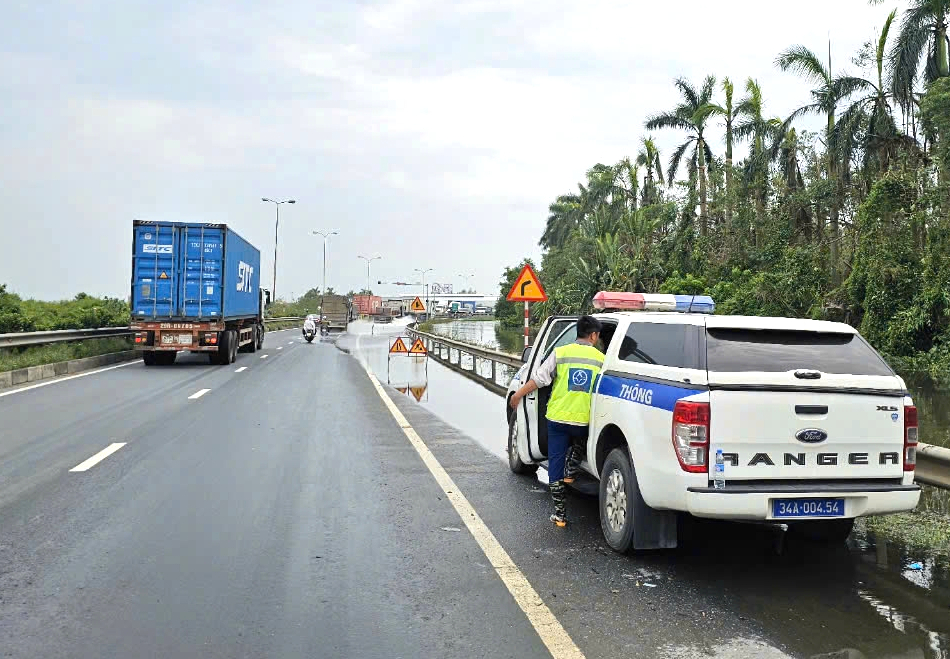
{"x":418,"y":348}
{"x":527,"y":287}
{"x":398,"y":346}
{"x":418,"y":306}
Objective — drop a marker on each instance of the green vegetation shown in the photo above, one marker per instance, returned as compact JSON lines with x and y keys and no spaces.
{"x":851,"y":223}
{"x":12,"y":359}
{"x":81,"y":312}
{"x":919,"y":529}
{"x":308,"y":303}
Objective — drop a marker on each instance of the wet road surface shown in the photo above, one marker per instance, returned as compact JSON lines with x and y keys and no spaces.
{"x":284,"y":513}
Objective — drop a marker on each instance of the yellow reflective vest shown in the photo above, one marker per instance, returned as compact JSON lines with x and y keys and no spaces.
{"x":578,"y":366}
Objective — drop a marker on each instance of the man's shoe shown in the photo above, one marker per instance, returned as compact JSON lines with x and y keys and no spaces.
{"x":559,"y":521}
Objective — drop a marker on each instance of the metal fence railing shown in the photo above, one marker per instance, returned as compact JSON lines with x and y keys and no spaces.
{"x":493,"y":370}
{"x":26,"y":339}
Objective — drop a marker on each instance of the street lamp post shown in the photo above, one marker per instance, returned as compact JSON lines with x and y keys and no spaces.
{"x":467,"y":278}
{"x":368,"y":260}
{"x":326,"y":237}
{"x":425,"y":288}
{"x":276,"y":226}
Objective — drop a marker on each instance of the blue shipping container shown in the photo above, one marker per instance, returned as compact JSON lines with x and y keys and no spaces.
{"x":193,"y":272}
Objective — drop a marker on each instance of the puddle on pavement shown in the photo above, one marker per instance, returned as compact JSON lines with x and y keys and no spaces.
{"x":860,"y":601}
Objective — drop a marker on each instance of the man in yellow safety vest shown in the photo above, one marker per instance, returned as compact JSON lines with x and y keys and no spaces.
{"x":573,"y":369}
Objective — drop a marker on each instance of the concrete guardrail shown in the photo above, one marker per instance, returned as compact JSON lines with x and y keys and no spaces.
{"x":933,"y":462}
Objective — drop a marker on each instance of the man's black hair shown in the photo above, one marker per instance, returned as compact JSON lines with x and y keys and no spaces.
{"x":587,"y":325}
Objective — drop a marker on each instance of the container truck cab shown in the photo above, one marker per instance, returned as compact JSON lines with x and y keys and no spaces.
{"x":814,"y":427}
{"x":196,"y":288}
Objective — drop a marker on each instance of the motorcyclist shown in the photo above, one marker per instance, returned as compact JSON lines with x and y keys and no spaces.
{"x":309,"y":326}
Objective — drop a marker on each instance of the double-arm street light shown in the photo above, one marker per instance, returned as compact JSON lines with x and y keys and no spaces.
{"x":368,"y":259}
{"x":425,"y":289}
{"x":326,"y":237}
{"x":276,"y":227}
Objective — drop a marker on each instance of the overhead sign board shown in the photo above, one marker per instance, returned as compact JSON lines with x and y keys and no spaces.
{"x":527,"y":287}
{"x":418,"y":306}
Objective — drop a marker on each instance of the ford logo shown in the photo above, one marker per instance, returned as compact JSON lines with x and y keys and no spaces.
{"x":811,"y":435}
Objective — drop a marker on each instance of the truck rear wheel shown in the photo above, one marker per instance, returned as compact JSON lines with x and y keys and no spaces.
{"x":166,"y":358}
{"x":149,"y":357}
{"x":225,"y":349}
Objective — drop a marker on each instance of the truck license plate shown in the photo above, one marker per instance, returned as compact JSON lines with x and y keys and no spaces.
{"x":807,"y":507}
{"x":176,"y":339}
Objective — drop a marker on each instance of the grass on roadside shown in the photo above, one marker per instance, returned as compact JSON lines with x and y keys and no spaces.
{"x":919,"y":529}
{"x":14,"y":358}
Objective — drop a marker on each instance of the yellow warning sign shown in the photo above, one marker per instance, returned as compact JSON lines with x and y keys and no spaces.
{"x":402,"y":390}
{"x":527,"y":287}
{"x":417,"y":306}
{"x":164,"y":275}
{"x":418,"y":393}
{"x":418,"y":348}
{"x":398,"y":346}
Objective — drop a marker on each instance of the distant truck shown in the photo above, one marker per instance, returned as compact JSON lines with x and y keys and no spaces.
{"x":336,"y":312}
{"x":195,"y":288}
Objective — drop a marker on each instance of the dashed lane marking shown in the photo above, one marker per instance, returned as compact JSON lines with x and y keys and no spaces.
{"x":198,"y":394}
{"x":549,"y":629}
{"x":241,"y":370}
{"x":98,"y":457}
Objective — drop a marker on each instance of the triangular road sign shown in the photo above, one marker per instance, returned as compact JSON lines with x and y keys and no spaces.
{"x":164,"y":275}
{"x":417,"y":306}
{"x":398,"y":346}
{"x":418,"y":393}
{"x":402,"y":390}
{"x":418,"y":348}
{"x":527,"y":287}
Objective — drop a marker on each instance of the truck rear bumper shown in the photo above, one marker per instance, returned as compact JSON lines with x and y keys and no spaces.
{"x":755,"y":502}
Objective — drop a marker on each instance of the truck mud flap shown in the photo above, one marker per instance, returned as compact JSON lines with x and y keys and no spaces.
{"x":652,"y":529}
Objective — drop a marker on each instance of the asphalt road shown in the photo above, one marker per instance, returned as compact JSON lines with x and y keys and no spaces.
{"x":281,"y":511}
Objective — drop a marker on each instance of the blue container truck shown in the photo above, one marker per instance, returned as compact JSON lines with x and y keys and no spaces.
{"x":196,"y":288}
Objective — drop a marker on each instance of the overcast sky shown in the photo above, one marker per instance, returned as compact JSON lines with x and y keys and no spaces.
{"x":431,"y":132}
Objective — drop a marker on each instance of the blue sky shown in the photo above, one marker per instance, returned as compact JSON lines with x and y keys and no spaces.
{"x":434,"y":134}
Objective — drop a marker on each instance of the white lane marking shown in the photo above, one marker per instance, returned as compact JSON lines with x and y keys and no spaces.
{"x":263,"y":356}
{"x":291,"y":343}
{"x":241,"y":370}
{"x":280,"y":347}
{"x":198,"y":394}
{"x":71,"y":377}
{"x":552,"y":634}
{"x":98,"y":457}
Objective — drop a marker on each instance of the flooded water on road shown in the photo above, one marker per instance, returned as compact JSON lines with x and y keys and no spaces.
{"x":866,"y":600}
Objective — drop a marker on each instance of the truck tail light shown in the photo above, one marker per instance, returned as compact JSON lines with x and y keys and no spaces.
{"x":910,"y":437}
{"x":209,"y":338}
{"x":143,"y":338}
{"x":691,"y":435}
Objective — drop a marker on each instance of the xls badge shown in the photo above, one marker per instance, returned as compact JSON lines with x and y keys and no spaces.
{"x":579,"y":379}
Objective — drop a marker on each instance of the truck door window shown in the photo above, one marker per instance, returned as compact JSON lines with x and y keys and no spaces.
{"x":664,"y":344}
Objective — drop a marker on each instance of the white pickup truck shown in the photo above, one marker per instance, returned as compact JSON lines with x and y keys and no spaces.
{"x":815,"y":428}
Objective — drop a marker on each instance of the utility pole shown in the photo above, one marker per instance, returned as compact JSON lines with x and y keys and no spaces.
{"x":276,"y":227}
{"x":425,"y":288}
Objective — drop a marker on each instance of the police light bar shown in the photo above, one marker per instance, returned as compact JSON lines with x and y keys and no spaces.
{"x":621,"y":301}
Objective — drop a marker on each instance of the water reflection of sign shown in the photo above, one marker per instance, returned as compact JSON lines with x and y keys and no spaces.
{"x":418,"y":392}
{"x":441,"y":289}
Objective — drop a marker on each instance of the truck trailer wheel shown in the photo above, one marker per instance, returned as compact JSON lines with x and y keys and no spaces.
{"x":149,"y":357}
{"x":225,"y":349}
{"x":260,"y":337}
{"x":166,"y":358}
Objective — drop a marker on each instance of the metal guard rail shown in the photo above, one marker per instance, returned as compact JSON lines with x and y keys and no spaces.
{"x":933,"y":462}
{"x":26,"y":339}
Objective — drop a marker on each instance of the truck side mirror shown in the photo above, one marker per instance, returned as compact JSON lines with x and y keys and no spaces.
{"x":526,"y":354}
{"x":266,"y":298}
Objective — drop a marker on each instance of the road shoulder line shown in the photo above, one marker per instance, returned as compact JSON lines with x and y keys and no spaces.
{"x":548,"y":628}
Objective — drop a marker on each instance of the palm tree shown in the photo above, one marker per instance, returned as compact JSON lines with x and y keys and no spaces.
{"x":690,"y":116}
{"x":868,"y":123}
{"x":758,"y":130}
{"x":923,"y":36}
{"x":649,"y":157}
{"x":729,"y":113}
{"x":565,"y":215}
{"x":804,"y":62}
